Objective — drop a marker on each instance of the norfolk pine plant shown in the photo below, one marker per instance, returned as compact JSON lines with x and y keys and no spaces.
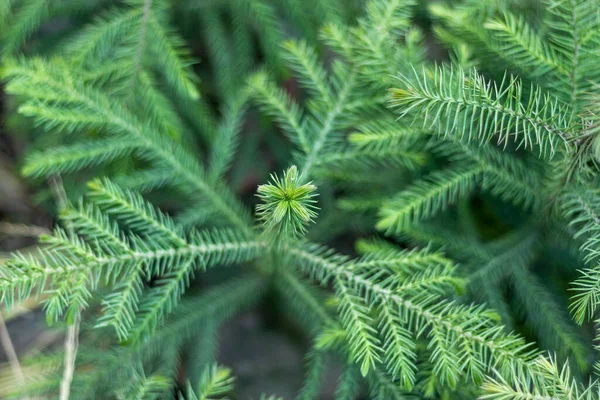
{"x":468,"y":187}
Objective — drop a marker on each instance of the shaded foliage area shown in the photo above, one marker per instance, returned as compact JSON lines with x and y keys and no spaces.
{"x":468,"y":187}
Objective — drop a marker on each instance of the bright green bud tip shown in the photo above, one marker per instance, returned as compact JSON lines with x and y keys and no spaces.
{"x":288,"y":205}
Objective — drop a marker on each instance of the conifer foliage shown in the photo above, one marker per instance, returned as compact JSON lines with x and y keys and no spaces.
{"x":467,"y":184}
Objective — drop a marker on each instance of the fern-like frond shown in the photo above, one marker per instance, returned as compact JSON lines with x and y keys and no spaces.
{"x":470,"y":333}
{"x":582,"y":208}
{"x":218,"y":248}
{"x":150,"y":387}
{"x":547,"y":380}
{"x":144,"y":180}
{"x":134,"y":212}
{"x":303,"y":60}
{"x":470,"y":108}
{"x":575,"y":33}
{"x":505,"y":176}
{"x":304,"y":300}
{"x":98,"y":41}
{"x":546,"y":315}
{"x":348,"y":384}
{"x":398,"y":346}
{"x":518,"y":42}
{"x":215,"y":381}
{"x":172,"y":59}
{"x":146,"y":243}
{"x":57,"y":98}
{"x":364,"y":344}
{"x":427,"y":197}
{"x":226,"y":142}
{"x":277,"y":104}
{"x":316,"y":365}
{"x":264,"y":20}
{"x":72,"y":158}
{"x":24,"y":22}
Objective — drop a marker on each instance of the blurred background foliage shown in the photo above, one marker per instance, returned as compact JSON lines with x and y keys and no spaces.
{"x":222,"y":43}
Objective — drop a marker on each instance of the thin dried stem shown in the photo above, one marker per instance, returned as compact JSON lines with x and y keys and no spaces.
{"x":72,"y":338}
{"x":11,"y":354}
{"x":71,"y":346}
{"x":10,"y":229}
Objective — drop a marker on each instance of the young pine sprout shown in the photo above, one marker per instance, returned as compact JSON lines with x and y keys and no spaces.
{"x":288,"y":205}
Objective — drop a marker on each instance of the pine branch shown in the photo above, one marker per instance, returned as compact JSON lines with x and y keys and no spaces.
{"x":363,"y":342}
{"x":138,"y":215}
{"x":581,"y":208}
{"x":303,"y":60}
{"x":383,"y":133}
{"x":507,"y":177}
{"x":304,"y":300}
{"x":100,"y":368}
{"x":226,"y":143}
{"x":348,"y":384}
{"x":547,"y":381}
{"x":53,"y":86}
{"x":148,"y":387}
{"x":332,"y":333}
{"x":264,"y":20}
{"x":574,"y":32}
{"x":144,"y":180}
{"x":473,"y":330}
{"x":72,"y":158}
{"x":121,"y":306}
{"x":25,"y":20}
{"x":427,"y":197}
{"x":316,"y":368}
{"x":383,"y":387}
{"x":326,"y":123}
{"x":90,"y":223}
{"x":551,"y":321}
{"x":162,"y":250}
{"x":369,"y":157}
{"x":387,"y":19}
{"x":469,"y":107}
{"x":518,"y":42}
{"x":172,"y":59}
{"x":215,"y":381}
{"x":140,"y":48}
{"x":277,"y":104}
{"x":398,"y":347}
{"x":99,"y":40}
{"x":155,"y":107}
